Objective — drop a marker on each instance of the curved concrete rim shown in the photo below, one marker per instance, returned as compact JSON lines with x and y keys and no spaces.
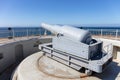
{"x":39,"y":67}
{"x":57,"y":71}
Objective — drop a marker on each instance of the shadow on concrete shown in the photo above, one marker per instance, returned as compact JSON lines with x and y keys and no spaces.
{"x":110,"y":73}
{"x":7,"y":73}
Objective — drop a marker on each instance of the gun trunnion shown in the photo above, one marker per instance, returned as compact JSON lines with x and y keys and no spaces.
{"x":75,"y":48}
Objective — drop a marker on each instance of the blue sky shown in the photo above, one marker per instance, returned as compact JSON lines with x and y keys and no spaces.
{"x":79,"y":12}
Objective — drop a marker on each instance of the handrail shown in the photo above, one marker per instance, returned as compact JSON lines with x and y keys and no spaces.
{"x":13,"y":34}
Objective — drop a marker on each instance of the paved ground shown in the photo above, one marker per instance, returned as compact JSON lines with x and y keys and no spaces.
{"x":107,"y":37}
{"x":36,"y":68}
{"x":6,"y":40}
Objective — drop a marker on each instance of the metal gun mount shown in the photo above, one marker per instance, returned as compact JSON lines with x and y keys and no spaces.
{"x":75,"y":48}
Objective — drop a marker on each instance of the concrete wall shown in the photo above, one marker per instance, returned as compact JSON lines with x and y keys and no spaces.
{"x":109,"y":41}
{"x":9,"y":53}
{"x":115,"y":43}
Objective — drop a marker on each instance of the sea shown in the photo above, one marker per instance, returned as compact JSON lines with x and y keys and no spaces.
{"x":6,"y":32}
{"x":22,"y":31}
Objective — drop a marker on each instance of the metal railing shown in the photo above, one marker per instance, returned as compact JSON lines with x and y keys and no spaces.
{"x":26,"y":33}
{"x":30,"y":33}
{"x":106,"y":33}
{"x":20,"y":34}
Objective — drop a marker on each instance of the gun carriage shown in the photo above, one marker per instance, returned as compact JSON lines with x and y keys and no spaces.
{"x":75,"y":48}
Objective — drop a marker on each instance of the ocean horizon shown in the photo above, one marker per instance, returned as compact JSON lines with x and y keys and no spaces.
{"x":22,"y":31}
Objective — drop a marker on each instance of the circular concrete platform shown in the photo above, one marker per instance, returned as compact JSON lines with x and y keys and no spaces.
{"x":39,"y":67}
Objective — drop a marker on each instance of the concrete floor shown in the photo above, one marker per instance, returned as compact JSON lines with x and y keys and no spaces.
{"x":34,"y":68}
{"x":6,"y":40}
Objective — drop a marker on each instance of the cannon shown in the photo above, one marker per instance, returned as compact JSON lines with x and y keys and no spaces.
{"x":70,"y":32}
{"x":76,"y":48}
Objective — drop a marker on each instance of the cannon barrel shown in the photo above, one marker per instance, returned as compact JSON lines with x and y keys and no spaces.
{"x":71,"y":32}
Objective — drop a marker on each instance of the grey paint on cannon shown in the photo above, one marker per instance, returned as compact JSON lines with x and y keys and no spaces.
{"x":69,"y":31}
{"x":69,"y":46}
